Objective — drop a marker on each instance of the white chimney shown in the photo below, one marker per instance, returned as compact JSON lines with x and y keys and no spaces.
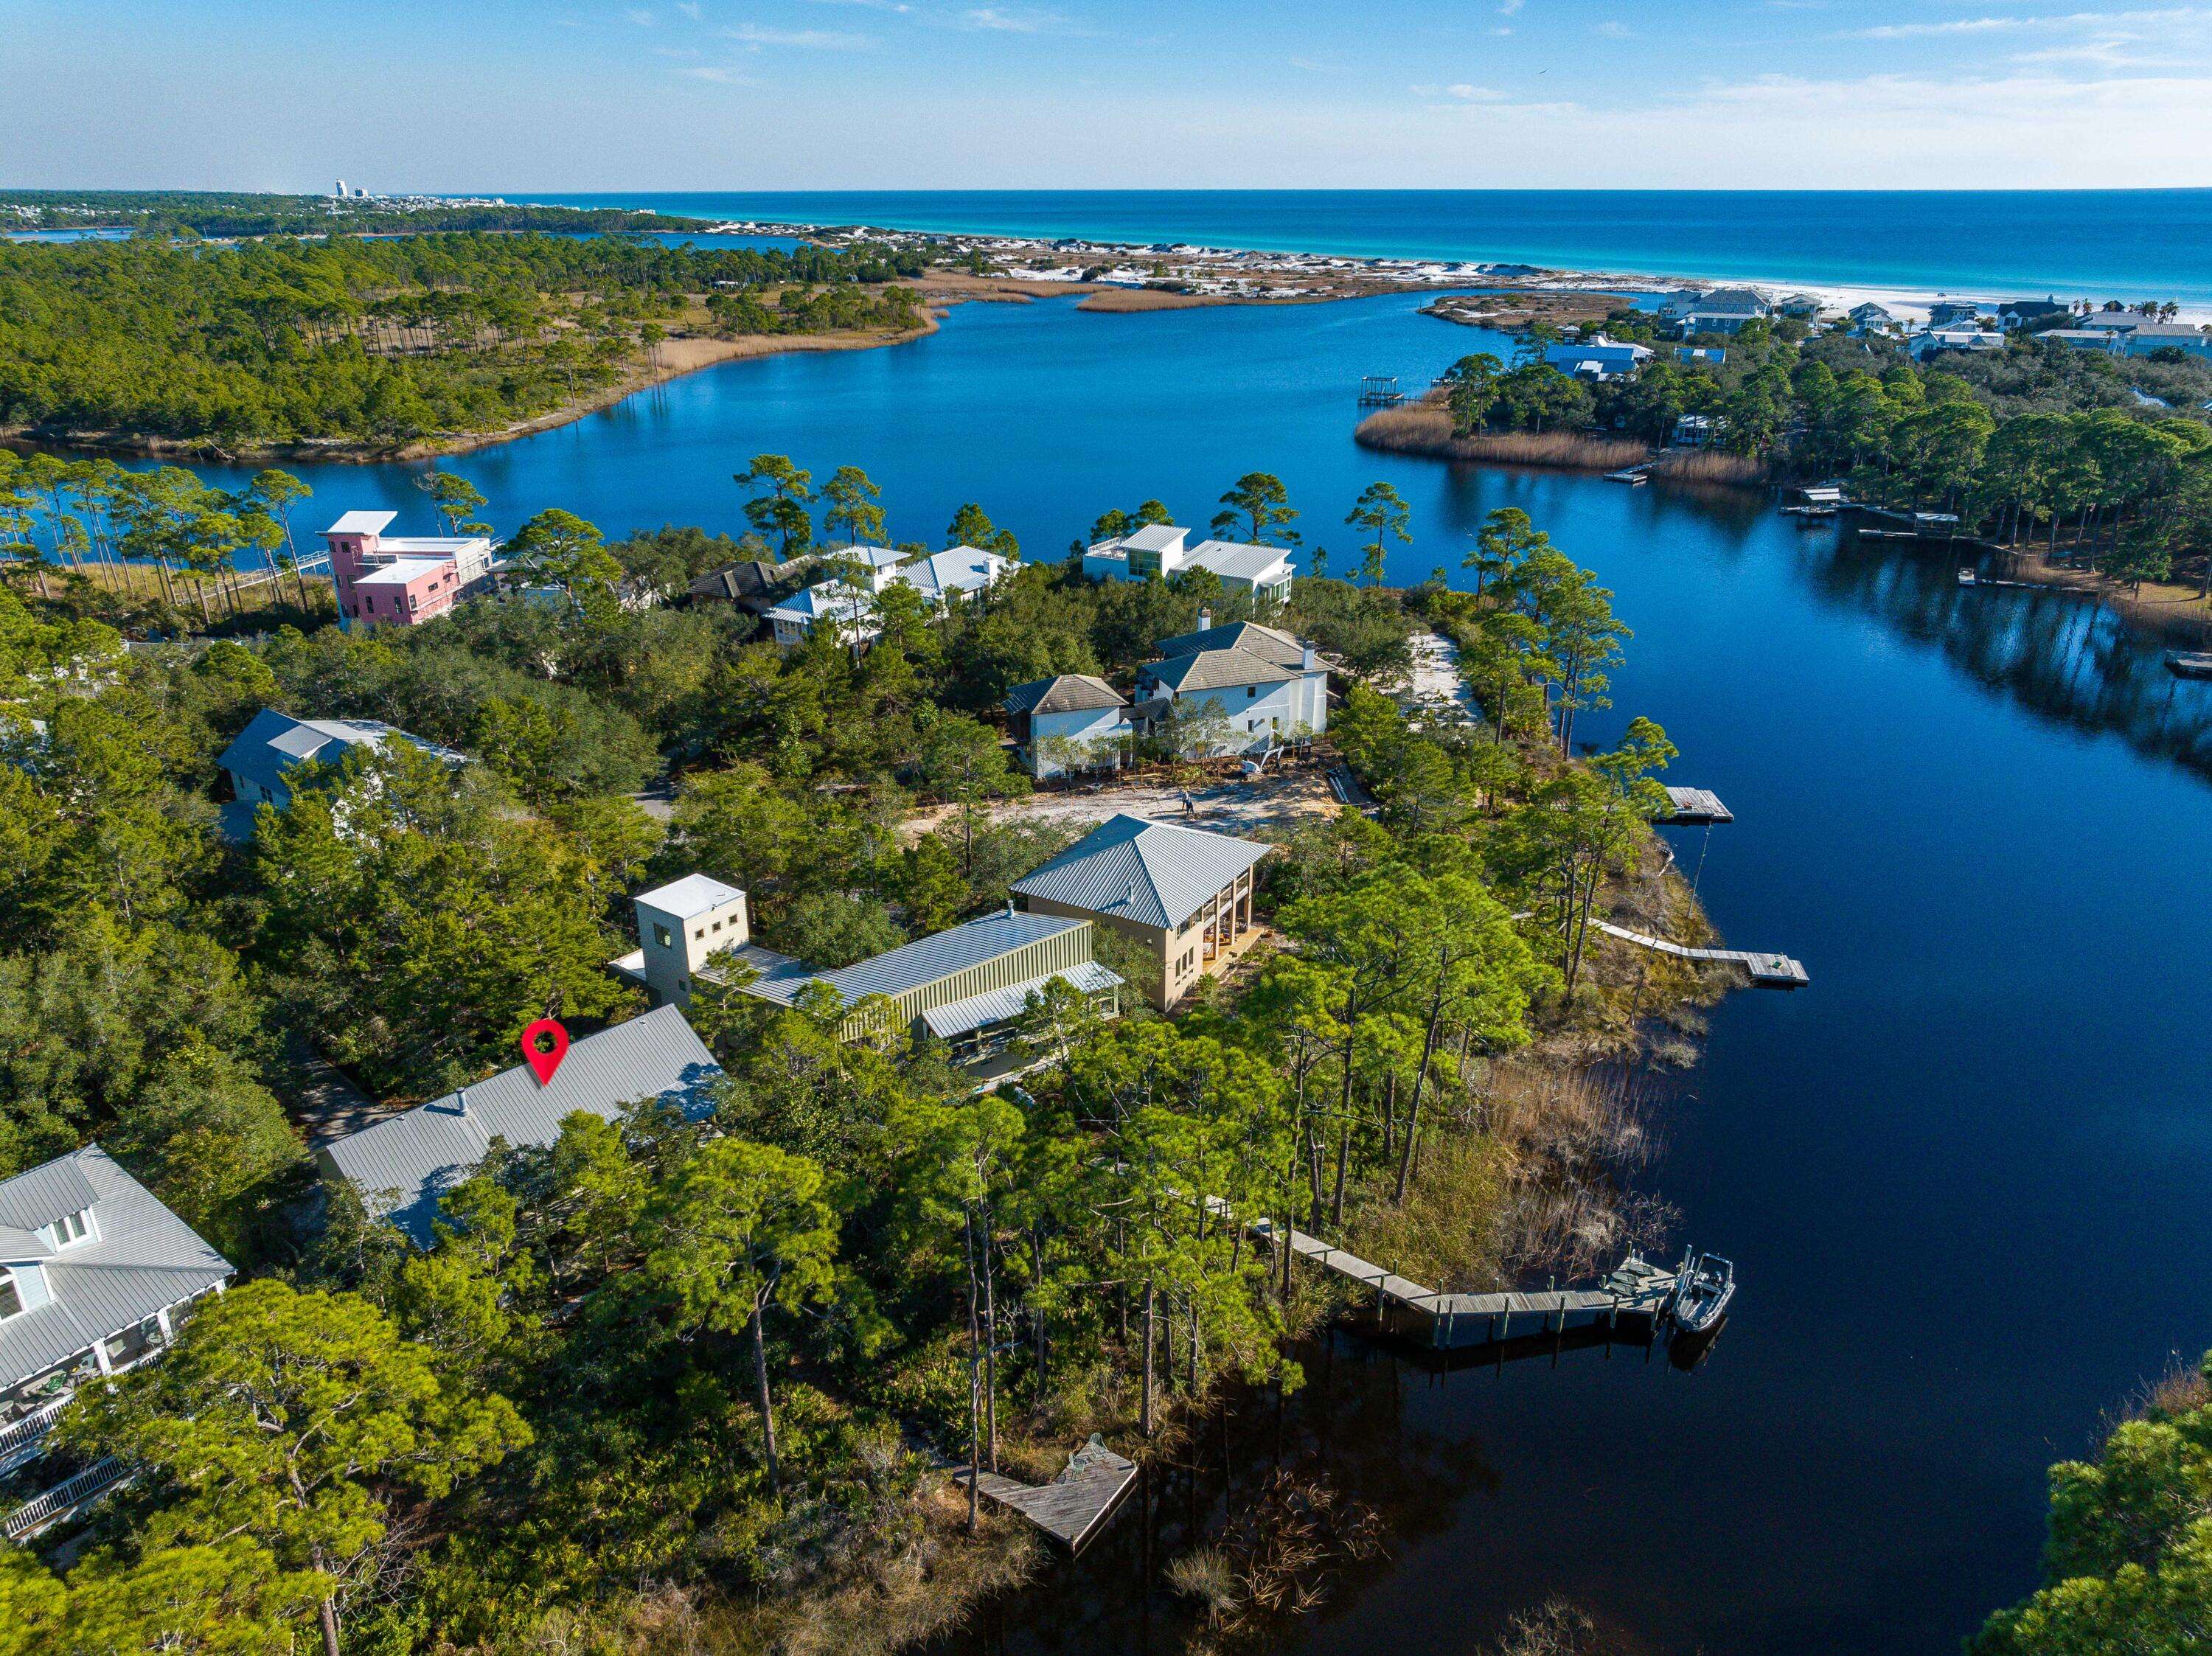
{"x":1205,"y":620}
{"x":1309,"y":658}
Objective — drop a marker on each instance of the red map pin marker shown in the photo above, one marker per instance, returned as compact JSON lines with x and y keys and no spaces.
{"x":544,"y":1060}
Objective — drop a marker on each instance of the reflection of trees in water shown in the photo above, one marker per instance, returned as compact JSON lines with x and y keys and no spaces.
{"x":2066,"y":657}
{"x":1348,"y":1426}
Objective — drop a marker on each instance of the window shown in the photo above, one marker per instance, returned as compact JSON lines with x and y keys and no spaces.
{"x":72,"y":1227}
{"x":699,"y":935}
{"x":11,"y":1297}
{"x":660,"y":935}
{"x":1251,"y":690}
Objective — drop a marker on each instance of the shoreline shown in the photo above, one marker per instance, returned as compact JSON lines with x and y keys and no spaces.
{"x":1506,"y":275}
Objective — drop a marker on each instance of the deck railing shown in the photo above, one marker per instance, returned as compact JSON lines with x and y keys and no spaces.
{"x":21,"y":1441}
{"x":89,"y":1484}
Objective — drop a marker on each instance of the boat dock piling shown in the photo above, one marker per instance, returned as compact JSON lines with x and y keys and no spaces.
{"x":1379,"y":390}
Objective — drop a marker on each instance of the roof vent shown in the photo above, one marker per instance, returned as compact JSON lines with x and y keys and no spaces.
{"x":461,"y":1103}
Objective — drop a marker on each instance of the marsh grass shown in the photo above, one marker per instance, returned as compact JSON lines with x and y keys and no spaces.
{"x":1426,"y":429}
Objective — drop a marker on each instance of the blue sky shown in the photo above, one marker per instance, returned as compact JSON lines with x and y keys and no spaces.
{"x":727,"y":95}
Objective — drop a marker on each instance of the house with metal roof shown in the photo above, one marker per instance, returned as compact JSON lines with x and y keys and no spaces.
{"x":956,"y":574}
{"x":1162,"y":550}
{"x":1071,"y":721}
{"x":1597,"y":357}
{"x":274,"y":745}
{"x":1183,"y":894}
{"x":1232,"y":699}
{"x":405,"y":1164}
{"x":1723,"y":310}
{"x":96,"y":1276}
{"x":967,"y":986}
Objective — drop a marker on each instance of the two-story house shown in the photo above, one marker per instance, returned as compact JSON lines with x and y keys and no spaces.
{"x":1068,"y":721}
{"x":260,"y":762}
{"x":1162,"y":550}
{"x":96,"y":1277}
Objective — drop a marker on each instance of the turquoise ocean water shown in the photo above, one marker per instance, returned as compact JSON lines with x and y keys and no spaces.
{"x":2117,"y":244}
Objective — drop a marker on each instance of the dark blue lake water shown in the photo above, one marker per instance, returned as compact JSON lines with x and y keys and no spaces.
{"x":1963,"y":1175}
{"x":1994,"y":244}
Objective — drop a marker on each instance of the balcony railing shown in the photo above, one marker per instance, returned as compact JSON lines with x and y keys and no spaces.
{"x":65,"y":1497}
{"x":24,"y":1440}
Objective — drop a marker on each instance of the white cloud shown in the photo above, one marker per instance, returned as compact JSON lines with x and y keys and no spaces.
{"x":690,"y":9}
{"x":810,"y":39}
{"x":718,"y":75}
{"x":1614,"y":30}
{"x":641,"y":17}
{"x":1507,"y":7}
{"x":1013,"y":20}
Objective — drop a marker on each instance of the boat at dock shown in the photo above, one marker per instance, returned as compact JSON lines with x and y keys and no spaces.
{"x":1703,"y":1288}
{"x":1632,"y":475}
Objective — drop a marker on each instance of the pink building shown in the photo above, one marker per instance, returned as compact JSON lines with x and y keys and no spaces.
{"x":396,"y":580}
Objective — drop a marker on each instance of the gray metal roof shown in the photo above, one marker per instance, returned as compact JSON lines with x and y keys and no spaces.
{"x":1268,"y":643}
{"x":1064,"y":693}
{"x":1729,"y":301}
{"x":945,"y":953}
{"x":275,"y":742}
{"x":959,"y":1017}
{"x":1154,"y":537}
{"x":426,"y":1152}
{"x":361,"y":523}
{"x":1237,"y":560}
{"x":692,"y":895}
{"x":1130,"y":868}
{"x":142,"y":1260}
{"x":1216,"y":669}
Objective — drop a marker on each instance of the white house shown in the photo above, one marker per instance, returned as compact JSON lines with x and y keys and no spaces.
{"x":1871,"y":317}
{"x":1934,"y":342}
{"x":1067,"y":717}
{"x":95,"y":1278}
{"x":1723,"y":310}
{"x":2148,"y":336}
{"x":1162,"y":549}
{"x":1238,"y":674}
{"x":958,"y":572}
{"x":1956,"y":312}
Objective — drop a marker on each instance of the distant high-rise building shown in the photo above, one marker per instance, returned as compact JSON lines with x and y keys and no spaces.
{"x":342,"y":189}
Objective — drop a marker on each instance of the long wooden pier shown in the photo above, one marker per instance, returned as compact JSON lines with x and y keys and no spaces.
{"x":1766,"y":970}
{"x":1639,"y":1291}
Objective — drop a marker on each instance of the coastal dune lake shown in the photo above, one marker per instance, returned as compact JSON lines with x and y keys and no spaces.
{"x":1966,"y":1175}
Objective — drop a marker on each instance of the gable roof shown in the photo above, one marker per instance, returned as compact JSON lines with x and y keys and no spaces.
{"x":274,"y":742}
{"x":1131,"y":868}
{"x":1729,"y":301}
{"x":958,"y":569}
{"x":748,"y":577}
{"x":424,"y":1153}
{"x":141,"y":1260}
{"x":1216,"y":669}
{"x":1064,"y":693}
{"x":1268,"y":643}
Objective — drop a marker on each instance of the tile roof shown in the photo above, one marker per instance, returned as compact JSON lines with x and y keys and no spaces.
{"x":1064,"y":693}
{"x":1268,"y":643}
{"x":424,"y":1153}
{"x":142,"y":1260}
{"x":1216,"y":669}
{"x":1131,"y":868}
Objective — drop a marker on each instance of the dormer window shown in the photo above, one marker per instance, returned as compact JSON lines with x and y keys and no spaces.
{"x":11,"y":1297}
{"x":72,"y":1228}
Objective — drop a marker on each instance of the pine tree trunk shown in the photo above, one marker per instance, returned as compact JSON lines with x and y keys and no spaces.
{"x":1145,"y":1418}
{"x":975,"y":1368}
{"x":768,"y":1413}
{"x":990,"y":1348}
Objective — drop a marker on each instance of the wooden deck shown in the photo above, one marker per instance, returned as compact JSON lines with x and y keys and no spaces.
{"x":1766,"y":970}
{"x":1074,"y":1506}
{"x":1695,"y":808}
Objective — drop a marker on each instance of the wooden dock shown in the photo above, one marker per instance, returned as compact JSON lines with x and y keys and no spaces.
{"x":1074,"y":1506}
{"x":1767,"y":971}
{"x":1694,"y":808}
{"x":1379,"y":390}
{"x":1641,"y":1292}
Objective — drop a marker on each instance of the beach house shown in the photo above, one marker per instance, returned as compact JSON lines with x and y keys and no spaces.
{"x":96,"y":1277}
{"x":1597,"y":358}
{"x":1956,"y":312}
{"x":404,"y":1165}
{"x":1071,"y":721}
{"x":2147,"y":338}
{"x":955,"y":574}
{"x":392,"y":581}
{"x":2016,"y":313}
{"x":1183,"y":894}
{"x":1722,"y":310}
{"x":968,"y":986}
{"x":1871,"y":317}
{"x":1966,"y":340}
{"x":261,"y":757}
{"x":1162,"y":550}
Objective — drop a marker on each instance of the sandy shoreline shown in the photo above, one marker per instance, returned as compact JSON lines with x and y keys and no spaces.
{"x":1128,"y":262}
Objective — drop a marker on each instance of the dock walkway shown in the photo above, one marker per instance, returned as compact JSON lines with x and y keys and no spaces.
{"x":1767,"y":971}
{"x":1694,"y":808}
{"x":1448,"y":1321}
{"x":1072,"y":1508}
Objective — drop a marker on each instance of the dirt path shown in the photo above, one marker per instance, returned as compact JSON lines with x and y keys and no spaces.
{"x":1271,"y":807}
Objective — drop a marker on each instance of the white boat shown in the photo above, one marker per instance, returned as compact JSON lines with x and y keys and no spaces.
{"x":1703,"y":1289}
{"x":1966,"y":578}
